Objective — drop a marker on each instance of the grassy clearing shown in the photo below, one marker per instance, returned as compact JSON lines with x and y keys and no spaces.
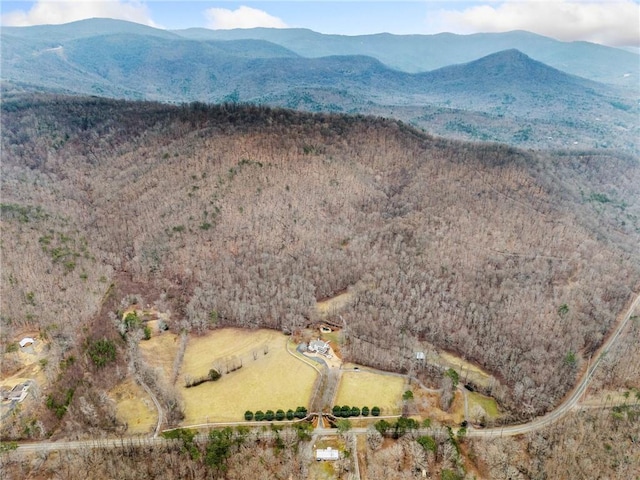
{"x":134,"y":407}
{"x":272,"y":381}
{"x":160,"y":351}
{"x":463,"y":367}
{"x":371,"y":389}
{"x":488,"y":404}
{"x":333,"y":305}
{"x":218,"y":346}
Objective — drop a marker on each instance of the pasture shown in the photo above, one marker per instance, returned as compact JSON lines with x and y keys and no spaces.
{"x":160,"y":351}
{"x":364,"y":388}
{"x":266,"y":381}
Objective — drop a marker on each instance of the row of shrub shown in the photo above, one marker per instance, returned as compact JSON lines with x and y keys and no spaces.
{"x":346,"y":411}
{"x":270,"y":415}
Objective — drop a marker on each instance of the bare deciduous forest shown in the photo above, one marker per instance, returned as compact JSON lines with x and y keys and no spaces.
{"x":239,"y":215}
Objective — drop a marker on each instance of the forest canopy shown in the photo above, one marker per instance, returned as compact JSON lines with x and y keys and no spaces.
{"x":241,"y":215}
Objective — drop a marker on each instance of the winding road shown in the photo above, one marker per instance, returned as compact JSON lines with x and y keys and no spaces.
{"x":536,"y":424}
{"x":572,"y":400}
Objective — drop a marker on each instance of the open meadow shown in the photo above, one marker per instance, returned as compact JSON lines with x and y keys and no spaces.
{"x":270,"y":378}
{"x":482,"y":406}
{"x":134,"y":407}
{"x":160,"y":351}
{"x":362,"y":388}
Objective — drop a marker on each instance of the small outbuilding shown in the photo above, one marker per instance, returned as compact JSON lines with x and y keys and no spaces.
{"x":420,"y":356}
{"x":327,"y":454}
{"x":26,"y":341}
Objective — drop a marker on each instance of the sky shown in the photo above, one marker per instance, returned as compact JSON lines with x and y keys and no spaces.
{"x":609,"y":22}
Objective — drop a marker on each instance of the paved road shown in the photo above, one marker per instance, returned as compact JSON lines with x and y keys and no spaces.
{"x":563,"y":409}
{"x":572,"y":400}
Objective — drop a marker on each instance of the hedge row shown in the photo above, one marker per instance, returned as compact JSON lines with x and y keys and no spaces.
{"x":346,"y":411}
{"x":269,"y":415}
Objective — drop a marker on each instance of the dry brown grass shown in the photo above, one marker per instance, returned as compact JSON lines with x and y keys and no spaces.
{"x":160,"y":351}
{"x":334,"y":304}
{"x":134,"y":407}
{"x":272,"y":381}
{"x":364,"y":388}
{"x":465,"y":369}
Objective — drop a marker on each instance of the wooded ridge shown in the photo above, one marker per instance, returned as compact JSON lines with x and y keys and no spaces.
{"x":243,"y":215}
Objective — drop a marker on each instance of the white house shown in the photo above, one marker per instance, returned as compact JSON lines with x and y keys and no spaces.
{"x":327,"y":454}
{"x":319,"y":346}
{"x":26,"y":341}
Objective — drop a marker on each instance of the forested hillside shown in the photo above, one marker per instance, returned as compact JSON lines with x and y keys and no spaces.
{"x":245,"y":216}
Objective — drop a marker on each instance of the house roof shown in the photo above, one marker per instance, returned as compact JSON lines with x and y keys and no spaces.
{"x":327,"y":454}
{"x":26,"y":341}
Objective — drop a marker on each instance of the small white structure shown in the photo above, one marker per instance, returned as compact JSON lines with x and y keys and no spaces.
{"x":420,"y":356}
{"x":319,"y":346}
{"x":26,"y":341}
{"x":327,"y":454}
{"x":19,"y":392}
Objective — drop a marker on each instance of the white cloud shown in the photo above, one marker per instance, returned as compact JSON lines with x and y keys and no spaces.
{"x":615,"y":22}
{"x":243,"y":17}
{"x":56,"y":12}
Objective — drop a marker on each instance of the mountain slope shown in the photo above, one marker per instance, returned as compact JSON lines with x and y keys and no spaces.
{"x":419,"y":53}
{"x":255,"y":213}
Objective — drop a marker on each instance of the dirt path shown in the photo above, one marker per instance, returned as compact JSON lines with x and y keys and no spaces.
{"x":158,"y":407}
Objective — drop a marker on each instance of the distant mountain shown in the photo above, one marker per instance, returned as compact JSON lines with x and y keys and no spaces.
{"x":138,"y":62}
{"x":83,"y":29}
{"x":420,"y":53}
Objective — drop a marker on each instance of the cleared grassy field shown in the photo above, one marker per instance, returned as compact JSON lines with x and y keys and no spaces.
{"x":134,"y":407}
{"x":333,"y":305}
{"x":160,"y":351}
{"x":272,"y":381}
{"x":371,"y":389}
{"x":488,"y":404}
{"x":465,"y":369}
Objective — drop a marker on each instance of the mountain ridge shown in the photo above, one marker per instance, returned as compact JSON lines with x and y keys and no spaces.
{"x":418,"y":53}
{"x":508,"y":86}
